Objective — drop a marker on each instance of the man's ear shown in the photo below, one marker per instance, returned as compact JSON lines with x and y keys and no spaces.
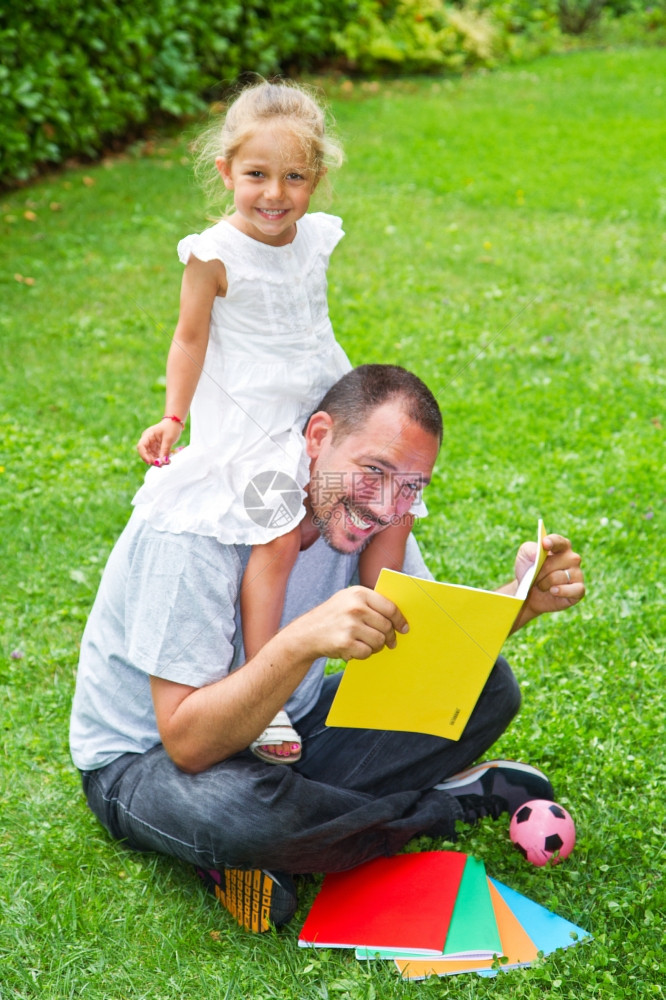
{"x":318,"y":431}
{"x":224,"y":170}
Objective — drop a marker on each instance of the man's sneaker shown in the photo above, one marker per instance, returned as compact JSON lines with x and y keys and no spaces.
{"x":257,"y":899}
{"x":495,"y":787}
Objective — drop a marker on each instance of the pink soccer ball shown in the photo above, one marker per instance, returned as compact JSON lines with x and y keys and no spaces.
{"x":543,"y":832}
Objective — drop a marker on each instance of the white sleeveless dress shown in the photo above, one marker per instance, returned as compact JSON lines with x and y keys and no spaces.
{"x":271,"y":357}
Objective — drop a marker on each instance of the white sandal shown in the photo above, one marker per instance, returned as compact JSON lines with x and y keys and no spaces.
{"x":280,"y":730}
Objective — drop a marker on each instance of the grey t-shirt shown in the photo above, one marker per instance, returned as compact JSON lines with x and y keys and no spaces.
{"x":167,"y":606}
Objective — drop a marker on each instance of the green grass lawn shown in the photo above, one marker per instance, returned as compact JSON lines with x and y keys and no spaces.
{"x":506,"y":240}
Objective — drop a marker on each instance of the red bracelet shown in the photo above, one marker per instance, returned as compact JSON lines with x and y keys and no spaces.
{"x":173,"y":417}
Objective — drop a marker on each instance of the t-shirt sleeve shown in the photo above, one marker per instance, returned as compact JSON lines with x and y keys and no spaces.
{"x":180,"y":608}
{"x":413,"y":563}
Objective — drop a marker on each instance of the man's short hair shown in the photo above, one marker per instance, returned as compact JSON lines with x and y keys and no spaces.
{"x":353,"y":398}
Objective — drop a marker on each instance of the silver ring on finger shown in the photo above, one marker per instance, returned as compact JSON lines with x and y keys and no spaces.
{"x":568,"y":575}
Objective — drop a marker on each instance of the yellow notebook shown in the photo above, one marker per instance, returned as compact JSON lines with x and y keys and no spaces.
{"x":432,"y":680}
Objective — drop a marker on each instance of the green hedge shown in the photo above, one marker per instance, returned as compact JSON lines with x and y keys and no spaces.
{"x":425,"y":35}
{"x":74,"y":77}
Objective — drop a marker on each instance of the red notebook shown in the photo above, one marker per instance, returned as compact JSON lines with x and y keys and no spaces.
{"x":401,"y":902}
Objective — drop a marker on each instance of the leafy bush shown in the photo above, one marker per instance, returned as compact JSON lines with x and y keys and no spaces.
{"x":72,"y":76}
{"x":75,"y":77}
{"x":621,"y":7}
{"x":294,"y":34}
{"x":639,"y":21}
{"x":416,"y":35}
{"x":577,"y":16}
{"x":525,"y":29}
{"x":427,"y":35}
{"x":616,"y":20}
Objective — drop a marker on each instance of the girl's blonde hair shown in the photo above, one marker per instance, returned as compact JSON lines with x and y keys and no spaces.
{"x":281,"y":102}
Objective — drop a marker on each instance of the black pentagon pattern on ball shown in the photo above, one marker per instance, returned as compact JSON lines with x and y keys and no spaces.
{"x":523,"y":814}
{"x":553,"y":843}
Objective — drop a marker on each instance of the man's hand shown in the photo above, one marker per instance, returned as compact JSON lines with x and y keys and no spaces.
{"x":353,"y":624}
{"x":559,"y":584}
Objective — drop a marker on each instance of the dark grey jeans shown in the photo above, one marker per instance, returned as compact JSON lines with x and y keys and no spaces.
{"x":355,"y":794}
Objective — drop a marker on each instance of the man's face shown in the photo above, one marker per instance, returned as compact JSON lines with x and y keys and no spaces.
{"x":369,"y":479}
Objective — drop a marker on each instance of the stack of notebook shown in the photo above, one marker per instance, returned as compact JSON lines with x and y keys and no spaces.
{"x":433,"y":913}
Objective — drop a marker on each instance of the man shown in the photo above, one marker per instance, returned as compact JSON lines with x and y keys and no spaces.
{"x":163,"y":716}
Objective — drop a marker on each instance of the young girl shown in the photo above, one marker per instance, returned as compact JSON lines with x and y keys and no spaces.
{"x":252,"y":355}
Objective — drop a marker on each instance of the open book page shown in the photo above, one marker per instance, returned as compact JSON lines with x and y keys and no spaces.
{"x":539,"y":559}
{"x":431,"y":681}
